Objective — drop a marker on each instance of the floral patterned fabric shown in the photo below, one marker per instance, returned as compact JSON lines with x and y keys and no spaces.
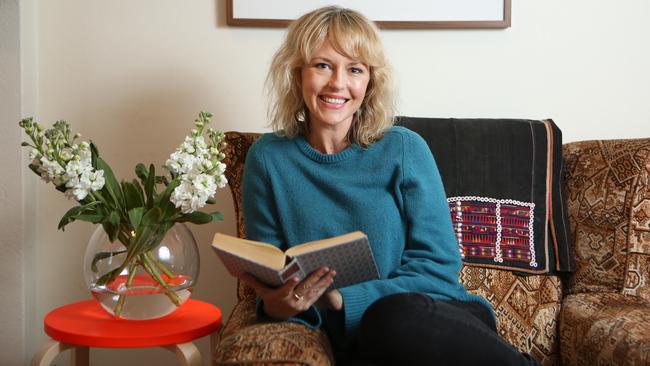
{"x":609,"y":213}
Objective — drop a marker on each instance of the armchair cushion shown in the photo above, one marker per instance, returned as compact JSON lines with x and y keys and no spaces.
{"x":608,"y":203}
{"x":605,"y":329}
{"x":527,"y":308}
{"x":244,"y":341}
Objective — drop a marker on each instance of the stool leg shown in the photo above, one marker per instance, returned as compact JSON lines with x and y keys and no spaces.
{"x":48,"y":351}
{"x":187,"y":353}
{"x":80,"y":356}
{"x":214,"y":339}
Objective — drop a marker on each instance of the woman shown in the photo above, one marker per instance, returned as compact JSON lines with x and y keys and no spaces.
{"x":336,"y":165}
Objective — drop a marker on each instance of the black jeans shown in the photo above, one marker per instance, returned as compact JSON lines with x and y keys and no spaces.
{"x":414,"y":329}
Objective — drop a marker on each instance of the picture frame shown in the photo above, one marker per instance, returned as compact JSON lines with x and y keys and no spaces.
{"x":387,"y":14}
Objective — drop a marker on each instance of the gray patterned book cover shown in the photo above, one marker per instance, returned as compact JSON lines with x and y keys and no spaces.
{"x":349,"y":255}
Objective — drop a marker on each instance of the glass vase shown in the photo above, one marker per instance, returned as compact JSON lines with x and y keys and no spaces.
{"x":151,"y":284}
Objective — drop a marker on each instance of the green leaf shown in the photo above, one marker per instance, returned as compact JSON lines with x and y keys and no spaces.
{"x":163,"y":200}
{"x":151,"y":217}
{"x":111,"y":186}
{"x":137,"y":185}
{"x":112,"y":226}
{"x":169,"y":189}
{"x":94,"y":154}
{"x":109,"y":276}
{"x":217,"y":216}
{"x":196,"y":217}
{"x":160,"y":234}
{"x":168,"y":210}
{"x":135,"y":217}
{"x":149,"y":186}
{"x":132,"y":196}
{"x":103,"y":255}
{"x":74,"y":212}
{"x":161,"y":179}
{"x":94,"y":218}
{"x":146,"y":230}
{"x":141,"y":172}
{"x":68,"y":217}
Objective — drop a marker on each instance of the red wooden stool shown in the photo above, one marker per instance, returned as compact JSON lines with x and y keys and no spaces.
{"x":85,"y":324}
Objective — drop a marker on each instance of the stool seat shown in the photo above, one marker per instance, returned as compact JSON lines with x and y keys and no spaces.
{"x":86,"y":324}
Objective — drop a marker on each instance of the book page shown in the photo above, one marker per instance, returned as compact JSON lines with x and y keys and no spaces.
{"x":258,"y":252}
{"x":324,"y":243}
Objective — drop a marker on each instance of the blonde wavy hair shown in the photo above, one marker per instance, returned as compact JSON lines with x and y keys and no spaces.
{"x":352,"y":35}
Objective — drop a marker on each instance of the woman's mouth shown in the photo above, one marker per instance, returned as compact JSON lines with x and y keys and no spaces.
{"x":333,"y":100}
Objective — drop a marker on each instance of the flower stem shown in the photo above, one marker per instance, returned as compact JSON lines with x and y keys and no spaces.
{"x":153,"y":271}
{"x":160,"y":265}
{"x":120,"y":301}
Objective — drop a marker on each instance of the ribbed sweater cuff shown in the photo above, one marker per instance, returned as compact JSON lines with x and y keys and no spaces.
{"x":310,"y":318}
{"x":355,"y":304}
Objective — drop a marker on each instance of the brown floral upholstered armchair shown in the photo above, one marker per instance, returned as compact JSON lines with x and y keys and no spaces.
{"x":604,"y":317}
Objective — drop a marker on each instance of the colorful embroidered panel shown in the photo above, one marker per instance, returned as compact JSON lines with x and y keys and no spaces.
{"x":490,"y":229}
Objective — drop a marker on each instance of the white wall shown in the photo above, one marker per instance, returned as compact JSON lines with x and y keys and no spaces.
{"x":12,"y":343}
{"x":131,"y":75}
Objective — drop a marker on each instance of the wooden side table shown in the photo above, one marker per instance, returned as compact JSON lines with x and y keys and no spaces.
{"x":85,"y":324}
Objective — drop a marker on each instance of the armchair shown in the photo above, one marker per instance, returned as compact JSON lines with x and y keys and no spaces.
{"x":603,"y":319}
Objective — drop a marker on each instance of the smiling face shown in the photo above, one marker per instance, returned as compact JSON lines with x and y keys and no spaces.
{"x":333,"y":88}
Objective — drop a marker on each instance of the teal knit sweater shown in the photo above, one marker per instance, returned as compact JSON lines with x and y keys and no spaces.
{"x":390,"y":190}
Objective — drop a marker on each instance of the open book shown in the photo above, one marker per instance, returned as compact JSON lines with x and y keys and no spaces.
{"x":349,"y":255}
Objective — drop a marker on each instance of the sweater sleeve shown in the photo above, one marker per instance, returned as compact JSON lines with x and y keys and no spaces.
{"x":261,"y":218}
{"x":430,"y":260}
{"x":260,"y":213}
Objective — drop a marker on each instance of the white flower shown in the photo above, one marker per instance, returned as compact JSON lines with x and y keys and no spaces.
{"x":204,"y":185}
{"x":83,"y":152}
{"x":183,"y":163}
{"x":75,"y":189}
{"x":34,"y":155}
{"x":187,"y":146}
{"x":93,"y":180}
{"x":193,"y":193}
{"x":75,"y":168}
{"x":182,"y":197}
{"x":221,"y":168}
{"x":51,"y":169}
{"x":66,"y":154}
{"x":197,"y":164}
{"x":80,"y":193}
{"x":221,"y":181}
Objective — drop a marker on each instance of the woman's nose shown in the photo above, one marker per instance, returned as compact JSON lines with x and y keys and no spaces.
{"x":337,"y":80}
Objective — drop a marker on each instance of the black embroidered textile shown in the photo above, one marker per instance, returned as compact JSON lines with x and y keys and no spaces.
{"x":504,"y":188}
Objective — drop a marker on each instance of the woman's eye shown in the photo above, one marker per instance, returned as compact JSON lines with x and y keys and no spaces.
{"x":321,"y":65}
{"x":356,"y":70}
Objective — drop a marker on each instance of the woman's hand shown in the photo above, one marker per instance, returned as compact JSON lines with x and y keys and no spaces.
{"x":331,"y":300}
{"x":293,"y":297}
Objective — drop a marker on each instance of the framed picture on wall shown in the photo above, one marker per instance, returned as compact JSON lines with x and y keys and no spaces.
{"x":409,"y":14}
